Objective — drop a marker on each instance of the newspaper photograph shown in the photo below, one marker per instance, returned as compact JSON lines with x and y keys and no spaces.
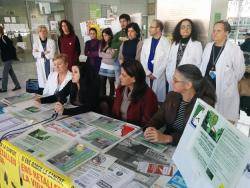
{"x":108,"y":124}
{"x":100,"y":139}
{"x":72,"y":157}
{"x":40,"y":142}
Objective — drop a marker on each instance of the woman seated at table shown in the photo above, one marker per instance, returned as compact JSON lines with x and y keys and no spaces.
{"x":83,"y":92}
{"x":134,"y":102}
{"x":58,"y":79}
{"x":188,"y":85}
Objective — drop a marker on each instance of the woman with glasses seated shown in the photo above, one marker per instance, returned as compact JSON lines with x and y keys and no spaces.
{"x":188,"y":85}
{"x":185,"y":48}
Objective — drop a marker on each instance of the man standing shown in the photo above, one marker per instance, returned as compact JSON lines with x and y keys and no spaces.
{"x":8,"y":54}
{"x":120,"y":37}
{"x":154,"y":56}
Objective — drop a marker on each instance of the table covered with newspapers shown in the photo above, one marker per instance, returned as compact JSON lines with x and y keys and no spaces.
{"x":88,"y":150}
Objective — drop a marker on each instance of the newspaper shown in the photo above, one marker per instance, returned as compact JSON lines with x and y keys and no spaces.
{"x":116,"y":176}
{"x":214,"y":149}
{"x":108,"y":124}
{"x":139,"y":137}
{"x":17,"y":98}
{"x":9,"y":124}
{"x":70,"y":158}
{"x":129,"y":154}
{"x":40,"y":142}
{"x":87,"y":117}
{"x":100,"y":139}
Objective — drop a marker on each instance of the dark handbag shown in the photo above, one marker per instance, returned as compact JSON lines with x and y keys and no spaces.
{"x":32,"y":86}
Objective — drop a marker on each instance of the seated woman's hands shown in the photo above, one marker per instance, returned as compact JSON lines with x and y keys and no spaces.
{"x":59,"y":108}
{"x":37,"y":102}
{"x":153,"y":135}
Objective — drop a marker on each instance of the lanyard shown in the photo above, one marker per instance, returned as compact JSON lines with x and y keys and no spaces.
{"x":215,"y":60}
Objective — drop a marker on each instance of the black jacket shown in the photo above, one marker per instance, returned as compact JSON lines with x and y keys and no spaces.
{"x":245,"y":47}
{"x":8,"y":51}
{"x":88,"y":95}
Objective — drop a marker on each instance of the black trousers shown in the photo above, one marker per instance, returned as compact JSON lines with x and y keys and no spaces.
{"x":103,"y":80}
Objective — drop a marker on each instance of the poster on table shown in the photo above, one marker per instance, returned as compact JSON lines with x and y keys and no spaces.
{"x":216,"y":152}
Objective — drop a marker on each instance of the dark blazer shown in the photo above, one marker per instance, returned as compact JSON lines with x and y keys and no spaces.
{"x":166,"y":115}
{"x":8,"y":51}
{"x":139,"y":112}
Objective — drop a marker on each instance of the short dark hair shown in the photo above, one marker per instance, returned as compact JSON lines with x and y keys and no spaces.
{"x":134,"y":69}
{"x":135,"y":27}
{"x":125,"y":16}
{"x":69,"y":25}
{"x":109,"y":32}
{"x":202,"y":86}
{"x":176,"y":33}
{"x":227,"y":26}
{"x":159,"y":24}
{"x":93,"y":29}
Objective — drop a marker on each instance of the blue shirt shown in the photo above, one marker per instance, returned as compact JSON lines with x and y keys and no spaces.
{"x":154,"y":44}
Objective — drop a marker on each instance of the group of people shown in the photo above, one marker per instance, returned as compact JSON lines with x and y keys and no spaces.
{"x":153,"y":83}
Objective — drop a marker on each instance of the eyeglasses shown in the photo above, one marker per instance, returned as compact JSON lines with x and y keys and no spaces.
{"x":152,"y":27}
{"x":186,"y":27}
{"x":178,"y":81}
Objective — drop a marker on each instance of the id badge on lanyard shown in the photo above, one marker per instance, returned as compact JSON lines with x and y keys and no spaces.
{"x":212,"y":74}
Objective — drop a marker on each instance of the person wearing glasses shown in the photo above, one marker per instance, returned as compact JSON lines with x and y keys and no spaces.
{"x":185,"y":48}
{"x":223,"y":64}
{"x":154,"y":56}
{"x":188,"y":85}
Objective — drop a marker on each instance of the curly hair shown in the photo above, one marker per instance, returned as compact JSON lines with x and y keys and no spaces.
{"x":176,"y":33}
{"x":69,"y":25}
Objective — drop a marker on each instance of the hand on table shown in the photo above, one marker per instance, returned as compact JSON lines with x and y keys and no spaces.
{"x":153,"y":135}
{"x":59,"y":108}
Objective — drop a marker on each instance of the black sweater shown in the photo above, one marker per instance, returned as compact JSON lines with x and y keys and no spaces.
{"x":88,"y":96}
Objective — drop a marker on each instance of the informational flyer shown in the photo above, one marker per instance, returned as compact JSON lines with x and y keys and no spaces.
{"x":215,"y":151}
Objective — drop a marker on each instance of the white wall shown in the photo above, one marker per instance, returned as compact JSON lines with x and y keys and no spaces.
{"x":218,"y":6}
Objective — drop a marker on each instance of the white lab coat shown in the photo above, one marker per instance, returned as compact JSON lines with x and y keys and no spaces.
{"x":192,"y":55}
{"x":37,"y":51}
{"x":160,"y":63}
{"x":52,"y":83}
{"x":230,"y":68}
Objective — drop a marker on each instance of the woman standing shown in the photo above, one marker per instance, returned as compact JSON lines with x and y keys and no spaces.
{"x":43,"y":51}
{"x":131,"y":49}
{"x":68,"y":43}
{"x":185,"y":48}
{"x":60,"y":77}
{"x":107,"y":64}
{"x":8,"y":54}
{"x":223,"y":64}
{"x":92,"y":50}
